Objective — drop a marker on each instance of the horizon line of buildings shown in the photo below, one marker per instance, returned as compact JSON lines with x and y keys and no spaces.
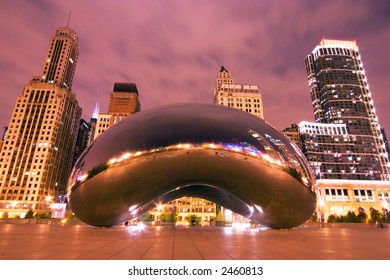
{"x":345,"y":146}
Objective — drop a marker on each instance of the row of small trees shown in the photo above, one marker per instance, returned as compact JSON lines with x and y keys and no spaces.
{"x":170,"y":217}
{"x":29,"y":215}
{"x":361,"y":217}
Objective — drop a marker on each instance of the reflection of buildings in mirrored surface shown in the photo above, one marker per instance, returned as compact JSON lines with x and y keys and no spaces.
{"x":203,"y":150}
{"x":182,"y":209}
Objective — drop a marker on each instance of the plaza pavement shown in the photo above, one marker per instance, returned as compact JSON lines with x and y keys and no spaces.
{"x":83,"y":242}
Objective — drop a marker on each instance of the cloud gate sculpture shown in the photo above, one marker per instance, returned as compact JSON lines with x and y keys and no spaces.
{"x":202,"y":150}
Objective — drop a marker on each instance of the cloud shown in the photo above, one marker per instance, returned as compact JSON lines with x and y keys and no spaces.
{"x":173,"y":49}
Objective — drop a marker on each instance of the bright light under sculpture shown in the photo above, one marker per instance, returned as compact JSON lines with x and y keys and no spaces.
{"x":202,"y":150}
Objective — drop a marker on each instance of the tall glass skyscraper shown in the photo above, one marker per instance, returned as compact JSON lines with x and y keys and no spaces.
{"x":346,"y":142}
{"x":36,"y":158}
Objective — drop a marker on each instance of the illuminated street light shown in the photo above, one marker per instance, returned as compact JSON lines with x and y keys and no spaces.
{"x":48,"y":199}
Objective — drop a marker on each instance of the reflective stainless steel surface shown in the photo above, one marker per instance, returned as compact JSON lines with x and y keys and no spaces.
{"x":205,"y":150}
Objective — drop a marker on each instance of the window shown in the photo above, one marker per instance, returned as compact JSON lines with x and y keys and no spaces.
{"x":363,"y":195}
{"x":336,"y":195}
{"x":384,"y":195}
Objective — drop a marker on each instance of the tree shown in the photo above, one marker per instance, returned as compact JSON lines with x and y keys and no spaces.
{"x":376,"y":216}
{"x":194,"y":220}
{"x":168,"y":217}
{"x":294,"y":173}
{"x":362,"y":216}
{"x":220,"y":217}
{"x":97,"y":169}
{"x":5,"y":215}
{"x":351,"y":217}
{"x":29,"y":214}
{"x":43,"y":215}
{"x":332,"y":218}
{"x":146,"y":217}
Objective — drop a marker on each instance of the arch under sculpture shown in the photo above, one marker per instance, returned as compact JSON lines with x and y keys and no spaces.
{"x":203,"y":150}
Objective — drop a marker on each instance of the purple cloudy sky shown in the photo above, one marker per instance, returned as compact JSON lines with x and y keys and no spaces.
{"x":173,"y":50}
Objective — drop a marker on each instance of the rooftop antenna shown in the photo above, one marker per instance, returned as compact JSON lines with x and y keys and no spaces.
{"x":70,"y":13}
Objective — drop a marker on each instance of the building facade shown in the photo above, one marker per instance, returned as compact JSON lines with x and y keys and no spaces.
{"x":103,"y":122}
{"x":329,"y":150}
{"x":244,"y":97}
{"x":37,"y":154}
{"x":292,"y":132}
{"x":338,"y":197}
{"x":123,"y":103}
{"x":341,"y":96}
{"x":344,"y":146}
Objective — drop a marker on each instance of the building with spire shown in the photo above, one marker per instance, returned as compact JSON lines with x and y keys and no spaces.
{"x":244,"y":97}
{"x":37,"y":154}
{"x":92,"y":124}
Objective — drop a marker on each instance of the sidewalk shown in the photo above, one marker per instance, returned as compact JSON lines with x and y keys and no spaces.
{"x":83,"y":242}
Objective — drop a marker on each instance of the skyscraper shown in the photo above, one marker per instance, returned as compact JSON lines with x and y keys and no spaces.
{"x":244,"y":97}
{"x":82,"y":139}
{"x":92,"y":124}
{"x":61,"y":59}
{"x":341,"y":98}
{"x":36,"y":158}
{"x":123,"y":103}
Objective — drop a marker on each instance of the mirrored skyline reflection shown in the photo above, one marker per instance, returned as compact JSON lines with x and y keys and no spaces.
{"x":209,"y":151}
{"x":173,"y":50}
{"x":149,"y":132}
